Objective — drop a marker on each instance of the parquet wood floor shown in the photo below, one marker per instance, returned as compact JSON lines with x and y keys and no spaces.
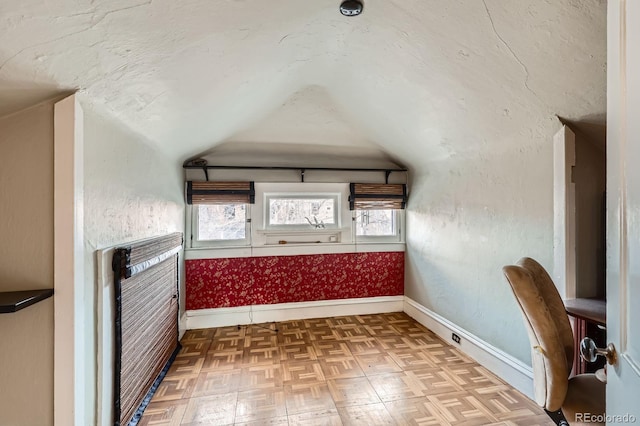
{"x":383,"y":369}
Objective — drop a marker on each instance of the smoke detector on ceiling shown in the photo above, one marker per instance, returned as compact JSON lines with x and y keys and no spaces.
{"x":351,"y":7}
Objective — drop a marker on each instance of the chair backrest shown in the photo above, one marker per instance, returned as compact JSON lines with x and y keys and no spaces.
{"x":549,"y":330}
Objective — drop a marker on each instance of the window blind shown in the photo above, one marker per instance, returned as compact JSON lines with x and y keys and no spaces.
{"x":377,"y":196}
{"x":145,"y":323}
{"x":220,"y":192}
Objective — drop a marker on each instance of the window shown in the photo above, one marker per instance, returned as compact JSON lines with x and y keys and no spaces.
{"x":308,"y":211}
{"x":375,"y":222}
{"x":220,"y":224}
{"x":378,"y":225}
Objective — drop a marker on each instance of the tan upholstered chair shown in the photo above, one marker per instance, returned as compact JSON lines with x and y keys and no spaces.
{"x":552,"y":347}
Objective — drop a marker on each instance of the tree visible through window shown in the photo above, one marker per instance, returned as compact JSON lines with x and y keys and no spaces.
{"x":222,"y":222}
{"x":375,"y":223}
{"x":315,"y":212}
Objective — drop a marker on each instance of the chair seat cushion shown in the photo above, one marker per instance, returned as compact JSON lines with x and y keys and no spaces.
{"x":585,"y":398}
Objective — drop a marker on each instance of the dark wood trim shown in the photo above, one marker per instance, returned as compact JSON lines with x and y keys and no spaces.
{"x":589,"y":309}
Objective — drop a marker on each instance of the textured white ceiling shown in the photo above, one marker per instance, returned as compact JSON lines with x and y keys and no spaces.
{"x":420,"y":79}
{"x":309,"y":116}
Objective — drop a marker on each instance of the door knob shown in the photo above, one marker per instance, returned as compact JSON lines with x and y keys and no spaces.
{"x":590,"y":352}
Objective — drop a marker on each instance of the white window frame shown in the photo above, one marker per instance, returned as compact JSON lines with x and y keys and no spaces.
{"x":398,"y":237}
{"x":337,"y":209}
{"x":196,"y":243}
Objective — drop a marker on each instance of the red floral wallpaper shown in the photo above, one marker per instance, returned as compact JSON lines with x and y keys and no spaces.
{"x":218,"y":283}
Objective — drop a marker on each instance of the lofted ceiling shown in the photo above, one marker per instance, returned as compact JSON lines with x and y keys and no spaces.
{"x":420,"y":80}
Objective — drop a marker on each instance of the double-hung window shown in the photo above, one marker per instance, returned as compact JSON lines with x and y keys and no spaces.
{"x":220,"y":224}
{"x":378,"y":211}
{"x":376,"y":223}
{"x":220,"y":213}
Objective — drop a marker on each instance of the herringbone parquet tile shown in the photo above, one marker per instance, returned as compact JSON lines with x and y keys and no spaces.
{"x":368,"y":346}
{"x":297,"y":353}
{"x":340,"y":367}
{"x":303,"y":398}
{"x":303,"y":373}
{"x":222,"y":360}
{"x":261,"y":405}
{"x":377,"y":363}
{"x":202,"y":334}
{"x":169,"y":413}
{"x":350,"y":370}
{"x":352,"y":391}
{"x":296,"y":337}
{"x":194,"y":348}
{"x":265,"y":376}
{"x":332,"y":348}
{"x":217,"y":382}
{"x":232,"y":343}
{"x":393,"y":342}
{"x":411,"y":359}
{"x":176,"y":387}
{"x":185,"y":366}
{"x":211,"y":410}
{"x":394,"y":386}
{"x":366,"y":415}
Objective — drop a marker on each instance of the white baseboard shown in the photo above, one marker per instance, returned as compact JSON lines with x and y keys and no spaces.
{"x":508,"y":368}
{"x":182,"y":325}
{"x":105,"y":337}
{"x":222,"y":317}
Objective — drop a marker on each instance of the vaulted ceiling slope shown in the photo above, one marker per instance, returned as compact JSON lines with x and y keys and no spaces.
{"x":427,"y":77}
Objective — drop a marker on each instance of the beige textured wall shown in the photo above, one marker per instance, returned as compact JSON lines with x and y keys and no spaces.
{"x":26,"y":262}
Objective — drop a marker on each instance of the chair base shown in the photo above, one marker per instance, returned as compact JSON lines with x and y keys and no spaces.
{"x":557,"y":417}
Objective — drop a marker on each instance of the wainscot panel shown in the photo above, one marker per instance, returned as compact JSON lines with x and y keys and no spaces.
{"x":231,"y":282}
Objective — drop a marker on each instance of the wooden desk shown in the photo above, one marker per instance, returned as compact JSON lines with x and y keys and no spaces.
{"x":590,"y":319}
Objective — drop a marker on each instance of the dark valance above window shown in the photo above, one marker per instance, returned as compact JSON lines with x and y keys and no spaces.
{"x":377,"y":196}
{"x":220,"y":192}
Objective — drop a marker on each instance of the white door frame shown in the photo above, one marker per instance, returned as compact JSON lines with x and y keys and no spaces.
{"x":564,"y":213}
{"x":68,"y":264}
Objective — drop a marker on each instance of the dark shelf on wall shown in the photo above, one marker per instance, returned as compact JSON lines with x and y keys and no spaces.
{"x":205,"y":167}
{"x":13,"y":301}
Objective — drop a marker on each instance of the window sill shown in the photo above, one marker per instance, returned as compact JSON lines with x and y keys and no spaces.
{"x":273,"y":237}
{"x":290,"y":250}
{"x":301,"y":231}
